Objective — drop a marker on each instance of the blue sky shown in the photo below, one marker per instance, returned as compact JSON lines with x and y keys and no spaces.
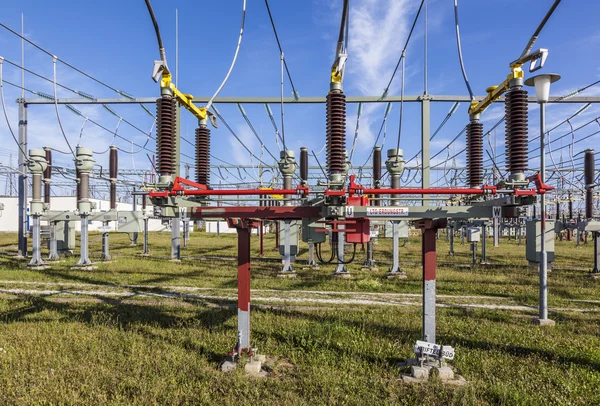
{"x":114,"y":41}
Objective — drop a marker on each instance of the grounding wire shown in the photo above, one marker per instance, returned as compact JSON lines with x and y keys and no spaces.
{"x":272,"y":118}
{"x":281,"y":50}
{"x":235,"y":55}
{"x":459,"y":47}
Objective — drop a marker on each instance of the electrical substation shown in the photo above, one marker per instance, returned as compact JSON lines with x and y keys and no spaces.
{"x":326,"y":214}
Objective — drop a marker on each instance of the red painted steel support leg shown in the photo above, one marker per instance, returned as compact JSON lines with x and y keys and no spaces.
{"x":429,"y":258}
{"x":243,"y":344}
{"x":261,"y":233}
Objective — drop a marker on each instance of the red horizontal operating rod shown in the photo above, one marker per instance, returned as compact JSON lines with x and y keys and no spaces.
{"x":431,"y":191}
{"x":226,"y":192}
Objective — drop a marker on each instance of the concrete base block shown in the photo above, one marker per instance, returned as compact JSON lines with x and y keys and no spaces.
{"x":444,"y":373}
{"x":260,"y":358}
{"x":253,"y":368}
{"x":342,"y":275}
{"x":228,"y":366}
{"x":396,"y":275}
{"x":174,"y":260}
{"x":286,"y":275}
{"x":544,"y":322}
{"x":144,"y":255}
{"x":369,"y":268}
{"x":420,"y":372}
{"x":595,"y":275}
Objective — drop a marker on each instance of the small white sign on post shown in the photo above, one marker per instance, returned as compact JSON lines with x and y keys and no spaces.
{"x":434,"y":350}
{"x":497,"y":212}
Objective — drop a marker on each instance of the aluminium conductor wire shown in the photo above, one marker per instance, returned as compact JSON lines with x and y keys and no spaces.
{"x":235,"y":55}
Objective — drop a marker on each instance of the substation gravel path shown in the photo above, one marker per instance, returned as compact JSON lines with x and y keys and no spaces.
{"x":264,"y":296}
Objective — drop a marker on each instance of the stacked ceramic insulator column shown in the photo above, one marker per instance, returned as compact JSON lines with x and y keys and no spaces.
{"x":589,"y":171}
{"x":336,"y":132}
{"x":166,"y":113}
{"x":475,"y":153}
{"x":203,"y":154}
{"x":516,"y":130}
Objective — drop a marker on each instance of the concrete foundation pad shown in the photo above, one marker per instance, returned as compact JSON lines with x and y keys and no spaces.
{"x":38,"y":267}
{"x":253,"y":367}
{"x":342,"y":275}
{"x":595,"y":275}
{"x":286,"y":275}
{"x":228,"y":366}
{"x":544,"y":322}
{"x":369,"y":268}
{"x":84,"y":267}
{"x":406,"y":378}
{"x":310,"y":268}
{"x":174,"y":260}
{"x":396,"y":275}
{"x":144,"y":255}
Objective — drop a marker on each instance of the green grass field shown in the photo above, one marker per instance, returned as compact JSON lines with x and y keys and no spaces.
{"x":148,"y":331}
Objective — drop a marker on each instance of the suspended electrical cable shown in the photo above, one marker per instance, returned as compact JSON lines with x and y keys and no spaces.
{"x":235,"y":55}
{"x":385,"y":115}
{"x":236,"y":136}
{"x":80,"y":93}
{"x":62,"y":130}
{"x":262,"y":145}
{"x":387,"y":88}
{"x":5,"y":113}
{"x":356,"y":130}
{"x":538,"y":30}
{"x":460,"y":55}
{"x":296,"y":96}
{"x":401,"y":104}
{"x":120,"y":92}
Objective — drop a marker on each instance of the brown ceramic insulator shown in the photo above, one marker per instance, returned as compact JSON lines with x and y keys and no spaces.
{"x":47,"y":176}
{"x":113,"y":167}
{"x":203,"y":155}
{"x":166,"y":112}
{"x":516,"y":131}
{"x":78,"y":179}
{"x":336,"y":132}
{"x":475,"y":153}
{"x":376,"y":170}
{"x":304,"y":163}
{"x":589,"y":169}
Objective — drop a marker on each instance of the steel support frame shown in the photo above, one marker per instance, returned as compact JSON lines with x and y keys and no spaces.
{"x":243,"y":335}
{"x":22,"y":199}
{"x":36,"y":254}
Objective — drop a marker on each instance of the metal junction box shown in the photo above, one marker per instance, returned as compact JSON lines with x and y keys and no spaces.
{"x":293,"y":237}
{"x":130,"y":222}
{"x":473,"y":234}
{"x":534,"y":232}
{"x":402,"y":229}
{"x":309,"y":233}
